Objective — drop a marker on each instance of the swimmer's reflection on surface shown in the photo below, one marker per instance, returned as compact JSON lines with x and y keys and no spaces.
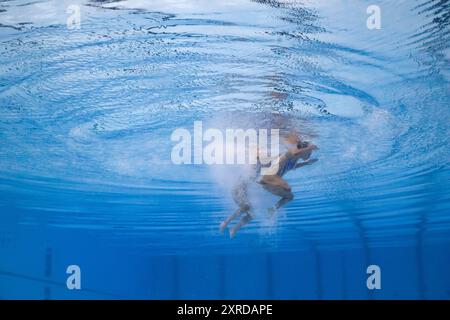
{"x":270,"y":177}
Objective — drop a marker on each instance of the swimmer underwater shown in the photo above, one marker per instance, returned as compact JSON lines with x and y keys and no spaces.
{"x":271,"y":179}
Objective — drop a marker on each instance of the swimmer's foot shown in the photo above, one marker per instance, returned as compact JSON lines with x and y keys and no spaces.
{"x":244,"y":220}
{"x":223,"y":225}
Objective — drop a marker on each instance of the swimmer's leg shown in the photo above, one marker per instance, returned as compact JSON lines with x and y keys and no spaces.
{"x":279,"y":187}
{"x":244,"y":220}
{"x":240,"y":197}
{"x":225,"y":223}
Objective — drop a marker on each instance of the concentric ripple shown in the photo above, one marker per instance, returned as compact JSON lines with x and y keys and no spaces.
{"x":86,"y":117}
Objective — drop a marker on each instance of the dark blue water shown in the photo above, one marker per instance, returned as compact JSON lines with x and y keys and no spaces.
{"x":86,"y":176}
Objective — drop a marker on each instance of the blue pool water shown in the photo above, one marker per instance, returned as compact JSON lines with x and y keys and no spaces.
{"x":86,"y":176}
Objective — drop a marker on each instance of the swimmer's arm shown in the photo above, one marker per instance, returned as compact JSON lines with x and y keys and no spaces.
{"x":305,"y":163}
{"x":299,"y":152}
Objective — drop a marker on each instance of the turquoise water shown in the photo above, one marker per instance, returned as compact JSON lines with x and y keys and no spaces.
{"x":86,"y":173}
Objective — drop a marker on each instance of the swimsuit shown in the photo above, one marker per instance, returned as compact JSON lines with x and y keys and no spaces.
{"x":276,"y":169}
{"x":289,"y":164}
